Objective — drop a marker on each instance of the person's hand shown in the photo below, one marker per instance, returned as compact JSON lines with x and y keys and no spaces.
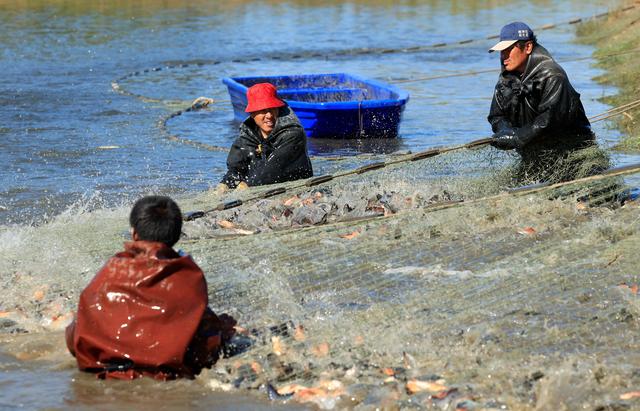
{"x":222,"y":188}
{"x":227,"y":320}
{"x":242,"y":186}
{"x":228,"y":326}
{"x":506,"y":139}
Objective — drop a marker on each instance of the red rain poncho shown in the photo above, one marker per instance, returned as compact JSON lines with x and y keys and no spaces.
{"x":145,"y":313}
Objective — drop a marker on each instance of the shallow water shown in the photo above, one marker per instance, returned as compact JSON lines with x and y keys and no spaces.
{"x":76,"y":154}
{"x":44,"y":382}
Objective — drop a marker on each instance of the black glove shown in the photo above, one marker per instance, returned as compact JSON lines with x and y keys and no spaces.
{"x":506,"y":139}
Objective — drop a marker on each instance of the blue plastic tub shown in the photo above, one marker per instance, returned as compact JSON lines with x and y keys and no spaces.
{"x":336,"y":105}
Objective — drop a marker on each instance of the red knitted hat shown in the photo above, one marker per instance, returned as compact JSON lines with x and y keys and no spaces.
{"x":261,"y":96}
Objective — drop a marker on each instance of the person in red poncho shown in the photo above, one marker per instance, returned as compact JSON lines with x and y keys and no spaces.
{"x":146,"y":311}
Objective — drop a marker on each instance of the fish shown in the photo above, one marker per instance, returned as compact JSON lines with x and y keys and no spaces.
{"x":415,"y":385}
{"x":388,"y":371}
{"x":39,"y":294}
{"x":632,"y":287}
{"x":321,"y":394}
{"x":256,"y":367}
{"x":630,"y":395}
{"x":350,"y":236}
{"x":219,"y":386}
{"x":324,"y":396}
{"x":274,"y":395}
{"x":332,"y":385}
{"x":277,"y":345}
{"x":310,"y":394}
{"x":291,"y":201}
{"x":444,"y":393}
{"x":298,"y":333}
{"x":226,"y":224}
{"x":527,"y":231}
{"x":321,"y":350}
{"x":290,"y":389}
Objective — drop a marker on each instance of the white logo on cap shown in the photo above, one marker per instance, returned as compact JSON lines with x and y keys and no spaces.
{"x":523,"y":33}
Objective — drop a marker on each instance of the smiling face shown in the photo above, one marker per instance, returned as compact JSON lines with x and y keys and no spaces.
{"x":266,"y":120}
{"x":514,"y":58}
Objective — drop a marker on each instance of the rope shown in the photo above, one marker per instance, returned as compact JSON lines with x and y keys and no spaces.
{"x":115,"y":84}
{"x":616,"y":111}
{"x":473,"y":73}
{"x":198,"y":104}
{"x":517,"y":192}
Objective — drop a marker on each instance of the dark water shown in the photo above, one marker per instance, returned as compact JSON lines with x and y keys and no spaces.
{"x":68,"y":137}
{"x":70,"y":143}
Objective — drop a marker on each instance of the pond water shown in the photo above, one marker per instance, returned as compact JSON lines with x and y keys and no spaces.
{"x":68,"y":137}
{"x":77,"y":152}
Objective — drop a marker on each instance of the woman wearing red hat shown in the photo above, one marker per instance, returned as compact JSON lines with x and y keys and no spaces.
{"x":272,"y":145}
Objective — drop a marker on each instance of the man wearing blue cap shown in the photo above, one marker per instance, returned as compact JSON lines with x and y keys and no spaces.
{"x":535,"y":110}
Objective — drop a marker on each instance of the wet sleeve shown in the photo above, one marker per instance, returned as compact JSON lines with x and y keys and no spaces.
{"x":214,"y":331}
{"x":554,"y":105}
{"x":497,"y":116}
{"x":288,"y":158}
{"x":223,"y":323}
{"x":237,"y":165}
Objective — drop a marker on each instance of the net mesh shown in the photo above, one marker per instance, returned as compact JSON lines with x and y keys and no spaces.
{"x":442,"y":292}
{"x":419,"y":285}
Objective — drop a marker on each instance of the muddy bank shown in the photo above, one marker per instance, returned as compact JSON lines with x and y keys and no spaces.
{"x":618,"y":33}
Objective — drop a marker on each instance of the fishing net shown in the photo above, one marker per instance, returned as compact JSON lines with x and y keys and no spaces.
{"x":423,"y":284}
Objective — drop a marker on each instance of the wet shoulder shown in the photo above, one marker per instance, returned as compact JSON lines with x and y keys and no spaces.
{"x":248,"y":134}
{"x":288,"y":119}
{"x":543,"y":66}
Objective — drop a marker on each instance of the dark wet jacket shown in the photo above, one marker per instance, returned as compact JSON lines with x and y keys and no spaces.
{"x":282,"y":156}
{"x":541,"y":106}
{"x":145,"y":313}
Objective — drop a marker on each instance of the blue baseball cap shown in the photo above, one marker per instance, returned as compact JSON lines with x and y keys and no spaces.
{"x":512,"y":33}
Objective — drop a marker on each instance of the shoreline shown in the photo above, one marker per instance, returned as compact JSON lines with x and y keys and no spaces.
{"x":615,"y":34}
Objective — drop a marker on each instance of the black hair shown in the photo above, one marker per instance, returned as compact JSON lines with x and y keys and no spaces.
{"x":521,"y":43}
{"x":157,"y":218}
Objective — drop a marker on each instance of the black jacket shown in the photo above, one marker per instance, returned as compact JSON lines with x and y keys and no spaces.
{"x":280,"y":157}
{"x":541,"y":107}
